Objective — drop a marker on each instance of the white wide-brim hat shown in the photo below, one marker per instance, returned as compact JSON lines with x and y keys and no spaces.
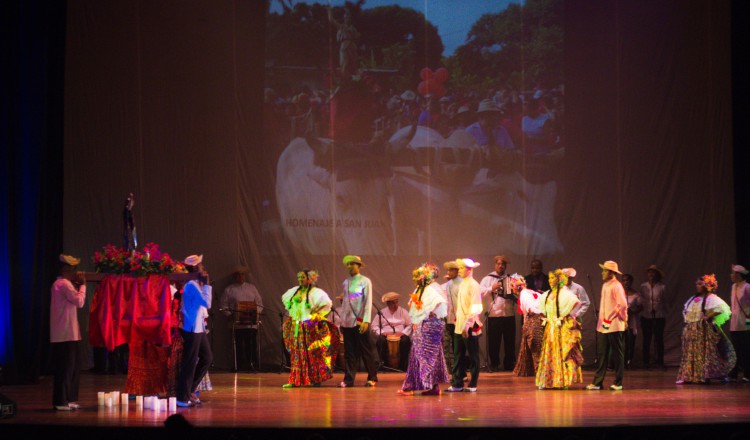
{"x":193,"y":260}
{"x":468,"y":262}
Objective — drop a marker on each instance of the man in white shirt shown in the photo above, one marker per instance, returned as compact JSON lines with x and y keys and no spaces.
{"x":450,"y":292}
{"x":739,"y":325}
{"x":468,"y":325}
{"x":356,"y":313}
{"x":392,"y":324}
{"x":241,"y":303}
{"x":68,"y":294}
{"x":501,"y":316}
{"x":654,"y":315}
{"x":579,"y":291}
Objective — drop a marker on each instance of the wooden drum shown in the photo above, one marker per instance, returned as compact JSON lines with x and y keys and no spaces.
{"x":394,"y":344}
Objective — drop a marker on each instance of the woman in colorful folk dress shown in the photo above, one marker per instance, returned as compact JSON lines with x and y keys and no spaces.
{"x":532,"y":332}
{"x":707,"y":352}
{"x":562,"y":355}
{"x":427,"y":308}
{"x":311,"y":339}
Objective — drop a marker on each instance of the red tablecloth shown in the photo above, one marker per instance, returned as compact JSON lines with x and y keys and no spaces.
{"x":128,"y":309}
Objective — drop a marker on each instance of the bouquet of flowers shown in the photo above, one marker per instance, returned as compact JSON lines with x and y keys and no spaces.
{"x":150,"y":260}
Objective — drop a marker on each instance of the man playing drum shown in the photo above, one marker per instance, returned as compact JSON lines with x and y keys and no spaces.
{"x":392,"y":326}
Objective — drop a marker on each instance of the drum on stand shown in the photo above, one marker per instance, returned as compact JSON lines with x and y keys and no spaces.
{"x":246,"y":317}
{"x":394,"y":355}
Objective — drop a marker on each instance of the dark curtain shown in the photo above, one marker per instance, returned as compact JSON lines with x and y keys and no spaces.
{"x":31,"y":225}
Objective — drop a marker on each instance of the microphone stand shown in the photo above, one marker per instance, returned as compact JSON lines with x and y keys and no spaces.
{"x":380,"y":319}
{"x":596,"y":313}
{"x":283,"y":366}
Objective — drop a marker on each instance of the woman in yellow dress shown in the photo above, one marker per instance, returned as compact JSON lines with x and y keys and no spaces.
{"x":562,"y":354}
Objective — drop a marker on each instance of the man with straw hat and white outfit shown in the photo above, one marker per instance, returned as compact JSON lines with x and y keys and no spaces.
{"x":356,"y":313}
{"x":613,"y":319}
{"x":393,"y":321}
{"x":579,"y":291}
{"x":68,"y":294}
{"x":243,"y":323}
{"x":654,"y":314}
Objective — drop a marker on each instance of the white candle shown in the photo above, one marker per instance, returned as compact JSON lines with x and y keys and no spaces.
{"x":124,"y":398}
{"x":115,"y":397}
{"x":172,"y":404}
{"x":147,"y":402}
{"x":162,"y":404}
{"x":100,"y":398}
{"x":138,"y":402}
{"x":108,"y":400}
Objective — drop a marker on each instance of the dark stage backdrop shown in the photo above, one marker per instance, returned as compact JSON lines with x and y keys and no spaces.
{"x":165,"y":99}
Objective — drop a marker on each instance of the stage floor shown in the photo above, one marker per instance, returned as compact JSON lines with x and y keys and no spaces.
{"x":256,"y":403}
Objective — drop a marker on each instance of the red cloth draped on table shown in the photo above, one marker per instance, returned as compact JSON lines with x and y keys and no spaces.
{"x":129,"y":309}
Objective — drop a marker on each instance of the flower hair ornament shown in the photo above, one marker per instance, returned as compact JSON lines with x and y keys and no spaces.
{"x":425,"y":274}
{"x":422,"y":276}
{"x":557,"y":279}
{"x":709,"y":281}
{"x":517,"y":282}
{"x":310,"y":274}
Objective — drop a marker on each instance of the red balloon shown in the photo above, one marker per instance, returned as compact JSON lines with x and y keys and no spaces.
{"x":431,"y":87}
{"x":439,"y":90}
{"x":441,"y":75}
{"x":425,"y":74}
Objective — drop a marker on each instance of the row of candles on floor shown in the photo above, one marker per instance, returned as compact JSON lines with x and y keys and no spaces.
{"x":154,"y":403}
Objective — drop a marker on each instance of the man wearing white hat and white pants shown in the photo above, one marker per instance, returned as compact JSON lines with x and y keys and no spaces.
{"x":68,"y":294}
{"x":739,"y":325}
{"x":196,"y":354}
{"x":613,"y":319}
{"x":579,"y":291}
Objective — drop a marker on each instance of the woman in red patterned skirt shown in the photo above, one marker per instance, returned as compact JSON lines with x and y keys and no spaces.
{"x":311,"y":339}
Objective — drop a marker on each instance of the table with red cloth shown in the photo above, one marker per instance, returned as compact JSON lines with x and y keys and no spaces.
{"x":135,"y":310}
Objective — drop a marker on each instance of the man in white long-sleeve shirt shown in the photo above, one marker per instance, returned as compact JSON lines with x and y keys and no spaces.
{"x":468,"y":307}
{"x":243,"y":322}
{"x":654,"y":315}
{"x":356,"y":313}
{"x":579,"y":291}
{"x":450,"y":292}
{"x":68,"y":294}
{"x":392,"y":322}
{"x":501,"y":316}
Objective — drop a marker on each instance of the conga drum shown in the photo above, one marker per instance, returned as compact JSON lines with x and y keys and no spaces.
{"x":394,"y":343}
